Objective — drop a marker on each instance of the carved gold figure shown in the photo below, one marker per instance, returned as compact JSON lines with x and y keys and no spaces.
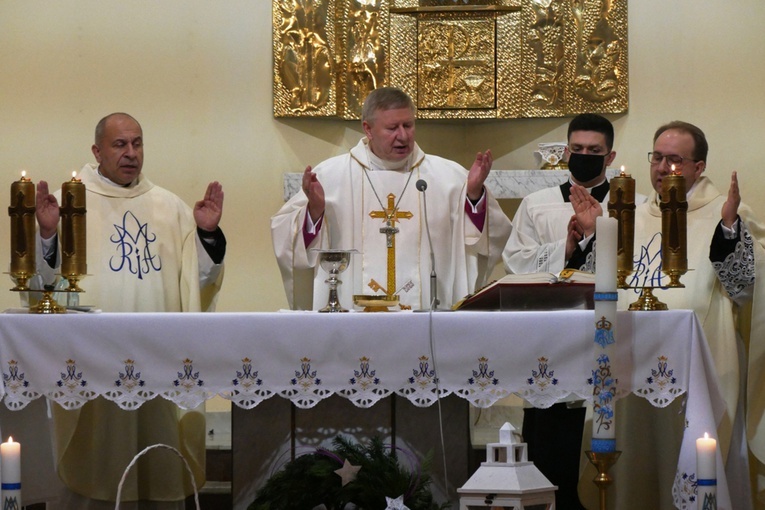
{"x":305,"y":63}
{"x":458,"y":59}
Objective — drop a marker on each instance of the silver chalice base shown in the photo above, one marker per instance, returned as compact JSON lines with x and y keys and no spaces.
{"x":334,"y":262}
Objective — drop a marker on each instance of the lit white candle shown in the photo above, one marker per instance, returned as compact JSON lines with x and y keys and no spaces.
{"x":706,"y":452}
{"x":706,"y":472}
{"x":606,"y":231}
{"x":10,"y":457}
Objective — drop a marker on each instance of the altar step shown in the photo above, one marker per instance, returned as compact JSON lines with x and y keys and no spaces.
{"x":216,"y":493}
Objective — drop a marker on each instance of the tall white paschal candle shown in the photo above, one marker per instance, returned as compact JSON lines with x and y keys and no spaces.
{"x":603,"y":378}
{"x":606,"y":231}
{"x":706,"y":472}
{"x":10,"y":471}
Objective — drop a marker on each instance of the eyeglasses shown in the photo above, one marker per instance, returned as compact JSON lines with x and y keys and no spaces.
{"x":672,"y":159}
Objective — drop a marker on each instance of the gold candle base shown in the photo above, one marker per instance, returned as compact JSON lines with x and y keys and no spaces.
{"x":73,"y":280}
{"x":22,"y":279}
{"x":603,"y":462}
{"x":647,"y":302}
{"x":621,"y":278}
{"x":47,"y":305}
{"x":674,"y":277}
{"x":373,"y":303}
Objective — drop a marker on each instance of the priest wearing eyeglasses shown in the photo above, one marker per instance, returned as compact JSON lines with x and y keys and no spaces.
{"x":724,"y":286}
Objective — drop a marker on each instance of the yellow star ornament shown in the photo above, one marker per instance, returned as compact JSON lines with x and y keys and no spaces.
{"x":348,"y":472}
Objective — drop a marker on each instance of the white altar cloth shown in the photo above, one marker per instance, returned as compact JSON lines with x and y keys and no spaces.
{"x":306,"y":357}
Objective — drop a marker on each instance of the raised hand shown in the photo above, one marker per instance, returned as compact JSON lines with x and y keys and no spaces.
{"x":208,"y":211}
{"x":47,"y":212}
{"x":586,"y":209}
{"x":315,"y":193}
{"x":730,"y":207}
{"x":478,"y":173}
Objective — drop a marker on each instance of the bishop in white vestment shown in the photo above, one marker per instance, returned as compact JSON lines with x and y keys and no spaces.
{"x":356,"y":189}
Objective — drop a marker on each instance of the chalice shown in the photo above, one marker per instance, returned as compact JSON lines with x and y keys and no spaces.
{"x":334,"y":262}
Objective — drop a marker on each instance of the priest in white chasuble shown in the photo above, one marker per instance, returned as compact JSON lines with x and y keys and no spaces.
{"x":724,"y":287}
{"x":368,"y":200}
{"x":147,"y":251}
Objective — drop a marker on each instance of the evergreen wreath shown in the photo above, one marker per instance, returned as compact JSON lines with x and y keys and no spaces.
{"x":310,"y":480}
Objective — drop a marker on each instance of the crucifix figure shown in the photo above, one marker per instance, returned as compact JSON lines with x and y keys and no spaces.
{"x":620,"y":207}
{"x":391,"y":216}
{"x":19,"y":212}
{"x":68,"y":209}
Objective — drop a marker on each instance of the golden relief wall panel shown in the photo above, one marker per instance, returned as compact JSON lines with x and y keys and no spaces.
{"x":458,"y":59}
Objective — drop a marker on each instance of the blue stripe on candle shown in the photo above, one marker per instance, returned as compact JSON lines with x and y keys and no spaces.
{"x":603,"y":445}
{"x":707,"y":482}
{"x":10,"y":486}
{"x":606,"y":296}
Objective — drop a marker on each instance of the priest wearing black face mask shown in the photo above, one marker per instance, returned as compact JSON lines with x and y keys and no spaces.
{"x":553,"y":229}
{"x":549,"y":232}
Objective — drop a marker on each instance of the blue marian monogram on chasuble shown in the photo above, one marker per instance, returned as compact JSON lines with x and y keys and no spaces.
{"x":644,"y":275}
{"x":133,"y":242}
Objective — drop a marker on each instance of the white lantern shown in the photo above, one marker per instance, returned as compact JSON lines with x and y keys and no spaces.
{"x":507,"y":480}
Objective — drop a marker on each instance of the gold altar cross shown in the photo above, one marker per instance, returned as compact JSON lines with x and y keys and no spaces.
{"x":391,"y":215}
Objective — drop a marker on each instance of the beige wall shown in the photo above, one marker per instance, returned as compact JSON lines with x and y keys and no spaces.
{"x":197,"y":74}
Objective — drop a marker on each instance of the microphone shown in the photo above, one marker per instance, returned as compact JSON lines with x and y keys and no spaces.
{"x":421,"y":187}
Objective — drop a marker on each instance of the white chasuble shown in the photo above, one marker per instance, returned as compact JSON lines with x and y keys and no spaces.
{"x":464,"y":255}
{"x":142,"y":257}
{"x":720,"y":315}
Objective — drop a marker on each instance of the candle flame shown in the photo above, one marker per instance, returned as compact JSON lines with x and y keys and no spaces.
{"x":706,"y":436}
{"x":23,"y":173}
{"x":673,"y":168}
{"x":10,"y":439}
{"x":74,"y":174}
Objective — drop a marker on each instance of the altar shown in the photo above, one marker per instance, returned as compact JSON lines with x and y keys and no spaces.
{"x":307,"y":357}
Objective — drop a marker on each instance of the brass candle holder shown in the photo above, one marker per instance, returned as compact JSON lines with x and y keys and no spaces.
{"x":47,"y":304}
{"x":621,"y":205}
{"x":674,"y":214}
{"x":603,"y":462}
{"x":22,"y":213}
{"x":674,"y":246}
{"x":73,"y":229}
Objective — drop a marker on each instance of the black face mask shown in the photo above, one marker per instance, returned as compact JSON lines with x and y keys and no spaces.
{"x":585,"y":167}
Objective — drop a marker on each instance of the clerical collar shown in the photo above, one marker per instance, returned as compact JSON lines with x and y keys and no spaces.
{"x":106,"y":180}
{"x":376,"y":163}
{"x":598,"y":192}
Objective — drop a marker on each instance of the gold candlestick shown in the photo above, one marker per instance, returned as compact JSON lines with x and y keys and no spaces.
{"x":621,"y":205}
{"x":674,"y":246}
{"x":22,"y":213}
{"x":73,"y":248}
{"x":603,"y":462}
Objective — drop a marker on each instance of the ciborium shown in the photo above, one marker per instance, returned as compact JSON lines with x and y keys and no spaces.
{"x":334,"y":262}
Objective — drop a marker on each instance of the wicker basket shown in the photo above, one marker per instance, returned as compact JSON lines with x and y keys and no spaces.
{"x":135,"y":459}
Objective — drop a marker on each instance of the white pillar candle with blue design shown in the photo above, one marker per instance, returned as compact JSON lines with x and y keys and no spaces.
{"x":10,"y":473}
{"x":706,"y":472}
{"x":603,"y":379}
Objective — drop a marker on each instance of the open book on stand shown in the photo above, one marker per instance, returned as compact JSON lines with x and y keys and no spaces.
{"x":568,"y":290}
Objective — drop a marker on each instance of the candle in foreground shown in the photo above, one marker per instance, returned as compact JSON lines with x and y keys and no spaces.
{"x":706,"y":451}
{"x":706,"y":472}
{"x":605,"y":254}
{"x":10,"y":468}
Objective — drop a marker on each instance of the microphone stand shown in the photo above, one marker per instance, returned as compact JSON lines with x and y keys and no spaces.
{"x":421,"y":187}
